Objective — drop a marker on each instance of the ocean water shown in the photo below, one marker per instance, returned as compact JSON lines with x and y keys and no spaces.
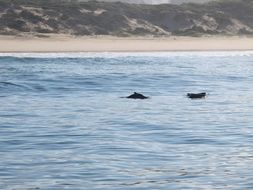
{"x":64,"y":125}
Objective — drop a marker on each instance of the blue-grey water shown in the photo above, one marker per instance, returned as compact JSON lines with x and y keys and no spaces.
{"x":63,"y":124}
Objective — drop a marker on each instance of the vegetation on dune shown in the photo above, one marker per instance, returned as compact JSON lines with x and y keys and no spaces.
{"x":36,"y":17}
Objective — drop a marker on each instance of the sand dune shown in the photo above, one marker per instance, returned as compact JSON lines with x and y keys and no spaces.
{"x":42,"y":18}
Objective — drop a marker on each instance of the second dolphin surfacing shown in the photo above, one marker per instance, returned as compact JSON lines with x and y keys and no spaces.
{"x":197,"y":95}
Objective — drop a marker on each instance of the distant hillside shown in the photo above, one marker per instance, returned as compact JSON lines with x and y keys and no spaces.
{"x":35,"y":17}
{"x":154,"y":2}
{"x":189,"y":1}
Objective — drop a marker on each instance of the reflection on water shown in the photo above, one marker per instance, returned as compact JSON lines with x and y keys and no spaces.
{"x":63,"y":124}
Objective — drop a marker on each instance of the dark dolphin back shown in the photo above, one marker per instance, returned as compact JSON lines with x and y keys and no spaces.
{"x":197,"y":95}
{"x":137,"y":96}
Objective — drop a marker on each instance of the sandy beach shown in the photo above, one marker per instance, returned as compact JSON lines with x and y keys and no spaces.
{"x":129,"y":44}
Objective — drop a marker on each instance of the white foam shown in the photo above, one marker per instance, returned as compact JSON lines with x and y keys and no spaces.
{"x":129,"y":54}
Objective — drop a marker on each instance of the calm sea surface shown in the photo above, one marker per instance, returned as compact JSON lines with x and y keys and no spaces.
{"x":63,"y":124}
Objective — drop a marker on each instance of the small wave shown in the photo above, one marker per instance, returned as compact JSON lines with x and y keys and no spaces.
{"x":4,"y":84}
{"x":128,"y":54}
{"x":10,"y":86}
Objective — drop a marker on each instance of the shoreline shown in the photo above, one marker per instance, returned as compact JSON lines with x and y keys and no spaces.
{"x":64,"y":44}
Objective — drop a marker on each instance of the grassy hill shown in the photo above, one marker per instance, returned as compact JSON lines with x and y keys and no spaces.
{"x":153,"y":2}
{"x":39,"y":17}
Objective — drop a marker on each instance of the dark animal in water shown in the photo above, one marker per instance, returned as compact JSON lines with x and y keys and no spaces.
{"x":196,"y":96}
{"x":137,"y":96}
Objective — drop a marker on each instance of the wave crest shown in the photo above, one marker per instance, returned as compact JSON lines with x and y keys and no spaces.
{"x":128,"y":54}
